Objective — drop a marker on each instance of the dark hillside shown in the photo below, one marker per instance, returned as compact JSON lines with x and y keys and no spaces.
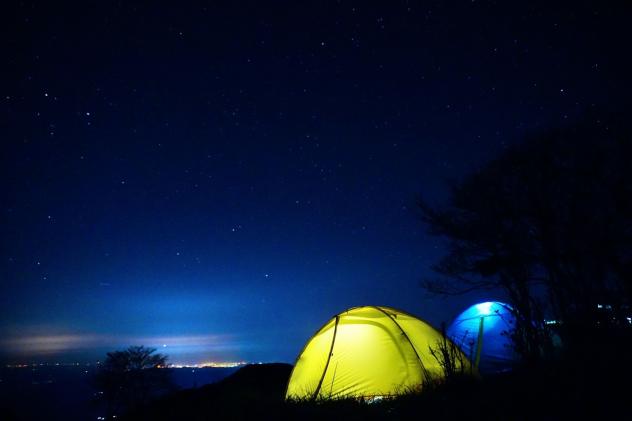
{"x":252,"y":391}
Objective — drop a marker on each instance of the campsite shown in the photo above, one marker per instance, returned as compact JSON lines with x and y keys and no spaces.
{"x":589,"y":384}
{"x":375,"y":362}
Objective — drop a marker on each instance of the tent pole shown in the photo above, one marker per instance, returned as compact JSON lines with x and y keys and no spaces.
{"x":331,"y":351}
{"x":479,"y":343}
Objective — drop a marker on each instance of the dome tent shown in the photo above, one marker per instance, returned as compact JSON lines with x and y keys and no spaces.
{"x":483,"y":332}
{"x":366,"y":352}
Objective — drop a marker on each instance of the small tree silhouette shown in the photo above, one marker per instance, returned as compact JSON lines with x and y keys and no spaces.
{"x":130,"y":378}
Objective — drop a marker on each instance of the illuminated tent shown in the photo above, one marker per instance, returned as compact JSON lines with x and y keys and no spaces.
{"x":366,"y":352}
{"x":483,"y":332}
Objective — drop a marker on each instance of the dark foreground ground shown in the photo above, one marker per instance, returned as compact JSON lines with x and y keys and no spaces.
{"x":598,"y":387}
{"x":68,"y":392}
{"x":594,"y":382}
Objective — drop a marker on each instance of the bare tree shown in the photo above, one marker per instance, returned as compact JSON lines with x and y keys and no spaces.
{"x":130,"y":378}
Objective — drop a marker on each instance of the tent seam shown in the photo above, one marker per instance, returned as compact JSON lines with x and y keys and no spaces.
{"x":423,"y":368}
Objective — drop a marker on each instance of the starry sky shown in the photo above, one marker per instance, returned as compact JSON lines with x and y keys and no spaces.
{"x":218,"y":180}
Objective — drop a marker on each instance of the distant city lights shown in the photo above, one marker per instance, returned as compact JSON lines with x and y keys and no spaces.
{"x":206,"y":364}
{"x":210,"y":364}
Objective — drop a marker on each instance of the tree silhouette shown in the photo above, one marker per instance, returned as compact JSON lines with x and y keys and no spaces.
{"x":549,"y":222}
{"x":130,"y":378}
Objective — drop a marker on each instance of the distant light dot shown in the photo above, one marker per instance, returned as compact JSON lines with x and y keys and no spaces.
{"x":88,"y":113}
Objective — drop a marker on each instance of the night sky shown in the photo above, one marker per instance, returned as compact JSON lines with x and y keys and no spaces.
{"x":222,"y":179}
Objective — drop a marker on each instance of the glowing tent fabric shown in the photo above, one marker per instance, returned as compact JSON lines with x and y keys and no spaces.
{"x":366,"y":352}
{"x":483,"y":332}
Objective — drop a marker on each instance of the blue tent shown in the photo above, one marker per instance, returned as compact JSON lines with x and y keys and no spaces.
{"x":483,"y":332}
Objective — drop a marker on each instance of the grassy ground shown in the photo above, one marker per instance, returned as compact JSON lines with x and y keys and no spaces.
{"x":592,"y":383}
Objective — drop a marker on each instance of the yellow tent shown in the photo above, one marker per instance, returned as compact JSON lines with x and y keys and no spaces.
{"x":367,"y":352}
